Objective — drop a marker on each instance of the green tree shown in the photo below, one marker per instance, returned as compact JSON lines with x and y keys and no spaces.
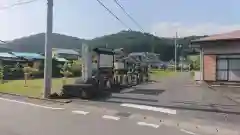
{"x":28,"y":71}
{"x":66,"y":71}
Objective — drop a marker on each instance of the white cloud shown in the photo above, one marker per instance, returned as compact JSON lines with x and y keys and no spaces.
{"x":168,"y":29}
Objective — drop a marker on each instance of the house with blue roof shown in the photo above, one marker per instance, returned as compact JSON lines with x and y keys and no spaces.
{"x":68,"y":54}
{"x":33,"y":59}
{"x":28,"y":56}
{"x":5,"y":56}
{"x":9,"y":60}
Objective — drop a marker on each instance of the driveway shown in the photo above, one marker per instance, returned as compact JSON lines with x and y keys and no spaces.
{"x":231,"y":92}
{"x":178,"y":91}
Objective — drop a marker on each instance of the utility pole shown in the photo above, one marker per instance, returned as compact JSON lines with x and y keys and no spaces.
{"x":48,"y":51}
{"x":175,"y":52}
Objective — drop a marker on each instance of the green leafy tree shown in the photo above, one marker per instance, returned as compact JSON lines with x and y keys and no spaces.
{"x":28,"y":71}
{"x":131,"y":41}
{"x":66,"y":71}
{"x":76,"y":68}
{"x":196,"y":64}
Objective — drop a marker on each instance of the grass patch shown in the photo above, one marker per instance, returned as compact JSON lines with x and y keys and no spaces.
{"x":34,"y":87}
{"x":162,"y":73}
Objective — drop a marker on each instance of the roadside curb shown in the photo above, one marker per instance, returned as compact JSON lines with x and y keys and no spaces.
{"x":38,"y":98}
{"x":225,"y":95}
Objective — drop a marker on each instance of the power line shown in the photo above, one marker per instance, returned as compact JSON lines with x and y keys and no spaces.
{"x":116,"y":1}
{"x":114,"y":15}
{"x":17,"y":4}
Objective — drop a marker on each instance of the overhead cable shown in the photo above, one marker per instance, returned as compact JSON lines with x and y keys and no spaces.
{"x":134,"y":21}
{"x":17,"y":4}
{"x":114,"y":15}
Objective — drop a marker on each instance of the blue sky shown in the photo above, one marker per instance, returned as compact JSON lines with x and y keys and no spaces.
{"x":87,"y":19}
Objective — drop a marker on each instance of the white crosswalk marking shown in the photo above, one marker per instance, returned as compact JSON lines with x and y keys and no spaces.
{"x":80,"y":112}
{"x":150,"y":108}
{"x":188,"y":132}
{"x":31,"y":104}
{"x":148,"y":124}
{"x":110,"y":117}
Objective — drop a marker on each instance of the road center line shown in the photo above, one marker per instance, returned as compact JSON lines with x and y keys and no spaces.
{"x":30,"y":104}
{"x":80,"y":112}
{"x":150,"y":108}
{"x":148,"y":124}
{"x":188,"y":132}
{"x":110,"y":117}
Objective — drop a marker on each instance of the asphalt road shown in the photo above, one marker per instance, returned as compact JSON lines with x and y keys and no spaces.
{"x":184,"y":100}
{"x":159,"y":108}
{"x":19,"y":117}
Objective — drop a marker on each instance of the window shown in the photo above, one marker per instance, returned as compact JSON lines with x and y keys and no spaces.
{"x":222,"y":69}
{"x":234,"y":69}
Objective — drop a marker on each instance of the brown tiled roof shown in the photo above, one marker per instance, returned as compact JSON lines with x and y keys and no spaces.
{"x":234,"y":35}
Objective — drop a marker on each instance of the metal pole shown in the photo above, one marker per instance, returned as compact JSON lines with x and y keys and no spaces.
{"x":48,"y":51}
{"x":181,"y":56}
{"x":175,"y":45}
{"x":201,"y":64}
{"x":182,"y":68}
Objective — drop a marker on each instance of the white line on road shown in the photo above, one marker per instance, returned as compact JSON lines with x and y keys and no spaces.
{"x":80,"y":112}
{"x":148,"y":124}
{"x":30,"y":104}
{"x":110,"y":117}
{"x":188,"y":132}
{"x":151,"y":108}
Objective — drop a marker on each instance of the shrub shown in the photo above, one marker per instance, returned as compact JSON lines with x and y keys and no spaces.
{"x":66,"y":70}
{"x":28,"y":71}
{"x":76,"y":68}
{"x":1,"y":73}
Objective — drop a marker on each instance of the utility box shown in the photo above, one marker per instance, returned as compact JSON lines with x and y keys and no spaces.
{"x":197,"y":75}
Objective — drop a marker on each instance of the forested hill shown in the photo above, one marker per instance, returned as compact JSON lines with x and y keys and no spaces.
{"x":132,"y":41}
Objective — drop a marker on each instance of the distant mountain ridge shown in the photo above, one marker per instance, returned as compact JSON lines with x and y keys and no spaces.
{"x":132,"y":41}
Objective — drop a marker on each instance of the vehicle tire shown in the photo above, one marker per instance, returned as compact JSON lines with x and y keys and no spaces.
{"x":85,"y":94}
